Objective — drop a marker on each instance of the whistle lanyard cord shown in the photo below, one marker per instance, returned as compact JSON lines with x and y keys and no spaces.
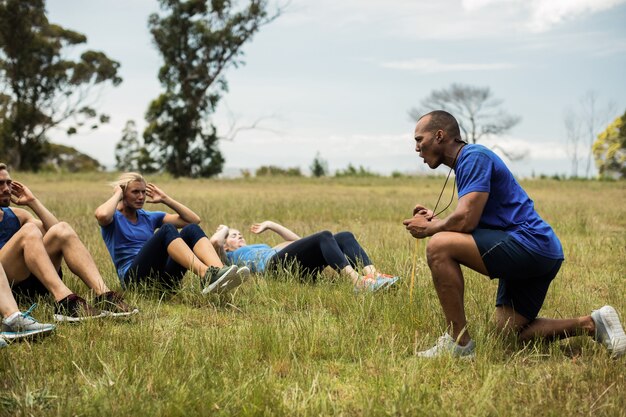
{"x":435,"y":214}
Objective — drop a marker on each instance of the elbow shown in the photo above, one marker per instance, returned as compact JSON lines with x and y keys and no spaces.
{"x":100,"y":217}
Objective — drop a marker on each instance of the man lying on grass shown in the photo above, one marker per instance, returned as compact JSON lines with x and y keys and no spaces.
{"x":31,"y":251}
{"x":313,"y":253}
{"x":495,"y":231}
{"x":163,"y":258}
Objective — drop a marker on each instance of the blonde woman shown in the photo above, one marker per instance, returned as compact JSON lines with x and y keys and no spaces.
{"x":340,"y":251}
{"x":139,"y":253}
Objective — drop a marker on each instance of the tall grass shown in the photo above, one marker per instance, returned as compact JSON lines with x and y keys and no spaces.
{"x":284,"y":347}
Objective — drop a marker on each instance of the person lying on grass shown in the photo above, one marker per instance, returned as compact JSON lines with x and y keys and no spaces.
{"x":140,"y":254}
{"x":17,"y":325}
{"x":313,"y":253}
{"x":33,"y":248}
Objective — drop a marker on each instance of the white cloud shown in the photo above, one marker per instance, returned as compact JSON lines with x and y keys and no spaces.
{"x":544,"y":14}
{"x":429,"y":65}
{"x":444,"y":19}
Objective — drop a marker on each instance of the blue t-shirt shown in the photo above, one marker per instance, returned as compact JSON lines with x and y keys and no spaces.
{"x":9,"y":226}
{"x":124,"y":239}
{"x":508,"y":207}
{"x":254,"y":257}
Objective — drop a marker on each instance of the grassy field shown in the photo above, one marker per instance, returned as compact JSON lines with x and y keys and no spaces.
{"x":283,"y":347}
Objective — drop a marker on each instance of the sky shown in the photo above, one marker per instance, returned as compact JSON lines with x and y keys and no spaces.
{"x":337,"y":78}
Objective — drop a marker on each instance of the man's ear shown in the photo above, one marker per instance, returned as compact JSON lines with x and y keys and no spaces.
{"x":439,"y":136}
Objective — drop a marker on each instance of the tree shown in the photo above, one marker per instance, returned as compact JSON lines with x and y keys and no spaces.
{"x":198,"y":40}
{"x":62,"y":158}
{"x":610,"y":149}
{"x":582,"y":126}
{"x":573,"y":134}
{"x":40,"y":88}
{"x":477,"y":111}
{"x":319,"y":167}
{"x":131,"y":154}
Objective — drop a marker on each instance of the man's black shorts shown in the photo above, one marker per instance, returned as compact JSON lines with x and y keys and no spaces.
{"x":31,"y":287}
{"x":524,"y":276}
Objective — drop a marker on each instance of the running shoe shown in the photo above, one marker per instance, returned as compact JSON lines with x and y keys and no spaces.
{"x":113,"y":305}
{"x":447,"y":346}
{"x":74,"y":308}
{"x":215,"y":277}
{"x":609,"y":330}
{"x":23,"y":325}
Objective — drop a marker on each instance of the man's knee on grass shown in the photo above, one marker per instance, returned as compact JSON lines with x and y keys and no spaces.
{"x":508,"y":321}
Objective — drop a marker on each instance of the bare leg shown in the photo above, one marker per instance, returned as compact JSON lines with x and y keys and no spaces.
{"x":369,"y":269}
{"x":183,"y":255}
{"x":62,"y":242}
{"x":24,"y":254}
{"x":542,"y":328}
{"x":446,"y":252}
{"x":8,"y":305}
{"x":206,"y":253}
{"x":351,"y":273}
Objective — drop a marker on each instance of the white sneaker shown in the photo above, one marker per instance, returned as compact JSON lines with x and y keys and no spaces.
{"x":447,"y":346}
{"x":3,"y":343}
{"x":609,"y":330}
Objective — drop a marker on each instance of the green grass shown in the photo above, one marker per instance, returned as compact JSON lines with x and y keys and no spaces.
{"x":282,"y":347}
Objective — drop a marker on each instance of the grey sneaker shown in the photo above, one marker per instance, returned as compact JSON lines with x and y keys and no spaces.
{"x":216,"y":277}
{"x":3,"y":343}
{"x":24,"y":325}
{"x":447,"y":346}
{"x":609,"y":330}
{"x":243,"y":273}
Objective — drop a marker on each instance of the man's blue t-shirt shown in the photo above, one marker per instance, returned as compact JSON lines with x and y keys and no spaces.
{"x":508,"y":207}
{"x":9,"y":226}
{"x":254,"y":257}
{"x":124,"y":239}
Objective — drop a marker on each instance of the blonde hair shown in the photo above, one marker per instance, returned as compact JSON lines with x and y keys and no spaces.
{"x":126,"y":178}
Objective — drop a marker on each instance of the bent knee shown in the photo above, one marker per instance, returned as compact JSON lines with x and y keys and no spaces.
{"x":325,"y":234}
{"x":508,"y":320}
{"x":61,"y":230}
{"x":437,"y":247}
{"x":30,"y":230}
{"x":344,"y":236}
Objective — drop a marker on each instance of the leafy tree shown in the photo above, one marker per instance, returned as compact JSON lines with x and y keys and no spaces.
{"x":131,"y":154}
{"x":476,"y":110}
{"x":610,"y":149}
{"x":62,"y":158}
{"x":198,"y":40}
{"x":40,"y":88}
{"x":319,"y":167}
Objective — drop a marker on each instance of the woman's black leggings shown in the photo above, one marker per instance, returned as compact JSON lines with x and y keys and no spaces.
{"x":315,"y":252}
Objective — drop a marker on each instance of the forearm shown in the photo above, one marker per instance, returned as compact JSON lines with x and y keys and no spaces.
{"x":47,"y":218}
{"x":185,"y":213}
{"x":455,"y":222}
{"x":105,"y":212}
{"x":283,"y":232}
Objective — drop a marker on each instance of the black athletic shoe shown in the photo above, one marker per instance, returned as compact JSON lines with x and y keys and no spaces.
{"x":74,"y":308}
{"x":113,"y":305}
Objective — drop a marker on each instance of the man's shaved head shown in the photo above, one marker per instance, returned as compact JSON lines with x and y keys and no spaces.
{"x":442,"y":120}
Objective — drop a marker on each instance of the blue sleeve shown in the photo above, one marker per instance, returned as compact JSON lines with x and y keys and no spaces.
{"x":474,"y":174}
{"x":156,"y":218}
